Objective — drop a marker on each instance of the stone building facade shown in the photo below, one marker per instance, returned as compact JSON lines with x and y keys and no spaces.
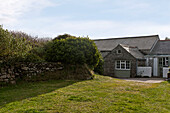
{"x":123,"y":56}
{"x":119,"y":54}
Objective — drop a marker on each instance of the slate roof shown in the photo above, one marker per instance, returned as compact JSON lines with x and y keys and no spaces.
{"x":161,"y":48}
{"x":142,"y":42}
{"x":104,"y":53}
{"x":134,"y":51}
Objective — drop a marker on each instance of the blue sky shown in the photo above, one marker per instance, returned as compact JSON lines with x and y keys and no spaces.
{"x":95,"y":18}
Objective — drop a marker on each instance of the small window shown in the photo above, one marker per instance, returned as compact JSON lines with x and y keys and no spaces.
{"x":119,"y":51}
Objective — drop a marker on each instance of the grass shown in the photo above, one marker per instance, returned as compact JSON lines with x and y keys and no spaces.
{"x":103,"y":94}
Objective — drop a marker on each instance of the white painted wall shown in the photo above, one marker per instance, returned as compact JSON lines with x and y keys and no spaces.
{"x":144,"y":71}
{"x":165,"y":72}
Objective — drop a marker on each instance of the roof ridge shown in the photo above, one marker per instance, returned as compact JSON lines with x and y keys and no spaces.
{"x":129,"y":46}
{"x":129,"y":50}
{"x":128,"y":37}
{"x":164,"y":40}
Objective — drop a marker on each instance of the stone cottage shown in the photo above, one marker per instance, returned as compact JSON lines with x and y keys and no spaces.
{"x":160,"y":57}
{"x":123,"y":56}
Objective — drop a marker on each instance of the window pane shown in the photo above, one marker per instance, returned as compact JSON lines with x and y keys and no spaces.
{"x":119,"y":51}
{"x":166,"y":58}
{"x":127,"y":64}
{"x":164,"y":62}
{"x":160,"y":61}
{"x":122,"y":61}
{"x":122,"y":65}
{"x":118,"y":64}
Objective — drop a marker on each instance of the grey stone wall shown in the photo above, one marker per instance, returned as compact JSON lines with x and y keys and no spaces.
{"x":141,"y":63}
{"x":109,"y":61}
{"x":9,"y":74}
{"x":42,"y":71}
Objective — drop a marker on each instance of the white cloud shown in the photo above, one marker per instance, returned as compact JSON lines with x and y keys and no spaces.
{"x":95,"y":29}
{"x":104,"y":29}
{"x":11,"y":10}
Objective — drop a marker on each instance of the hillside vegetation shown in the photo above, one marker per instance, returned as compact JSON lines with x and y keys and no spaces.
{"x":20,"y":47}
{"x":102,"y":94}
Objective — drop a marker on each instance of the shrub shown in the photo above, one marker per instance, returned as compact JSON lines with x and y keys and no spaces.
{"x":73,"y":50}
{"x":59,"y":37}
{"x":99,"y":68}
{"x":11,"y":47}
{"x":18,"y":46}
{"x":30,"y":57}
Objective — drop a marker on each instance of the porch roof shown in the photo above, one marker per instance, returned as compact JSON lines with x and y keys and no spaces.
{"x":134,"y":51}
{"x":161,"y":48}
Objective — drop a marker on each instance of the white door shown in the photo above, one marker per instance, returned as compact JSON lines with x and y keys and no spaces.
{"x":155,"y":66}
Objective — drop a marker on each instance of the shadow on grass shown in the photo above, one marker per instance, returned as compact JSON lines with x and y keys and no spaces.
{"x":24,"y":90}
{"x":168,"y":81}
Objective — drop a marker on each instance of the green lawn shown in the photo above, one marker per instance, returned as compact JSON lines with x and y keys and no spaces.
{"x":103,"y":94}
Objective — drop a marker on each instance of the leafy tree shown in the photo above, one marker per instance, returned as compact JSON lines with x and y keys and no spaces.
{"x":11,"y":48}
{"x":34,"y":41}
{"x":59,"y":37}
{"x":167,"y":38}
{"x":99,"y":68}
{"x":73,"y":50}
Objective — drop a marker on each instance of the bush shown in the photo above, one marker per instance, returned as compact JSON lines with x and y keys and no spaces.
{"x":11,"y":47}
{"x":29,"y":57}
{"x":73,"y":50}
{"x":20,"y":47}
{"x":33,"y":58}
{"x":99,"y":68}
{"x":59,"y":37}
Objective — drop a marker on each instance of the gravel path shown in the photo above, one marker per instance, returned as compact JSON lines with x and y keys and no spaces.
{"x":146,"y":80}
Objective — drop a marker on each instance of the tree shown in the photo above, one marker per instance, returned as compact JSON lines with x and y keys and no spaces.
{"x":99,"y":68}
{"x":73,"y":50}
{"x":34,"y":41}
{"x":11,"y":47}
{"x":59,"y":37}
{"x":167,"y":38}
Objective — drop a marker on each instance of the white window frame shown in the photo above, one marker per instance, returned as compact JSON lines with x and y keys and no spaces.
{"x":122,"y":62}
{"x":164,"y":61}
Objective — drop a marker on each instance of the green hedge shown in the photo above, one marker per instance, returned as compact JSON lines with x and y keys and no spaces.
{"x":73,"y":50}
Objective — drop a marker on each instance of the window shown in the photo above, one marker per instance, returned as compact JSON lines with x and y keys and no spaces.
{"x":123,"y":64}
{"x":118,"y":64}
{"x":163,"y":61}
{"x":127,"y":64}
{"x":119,"y":51}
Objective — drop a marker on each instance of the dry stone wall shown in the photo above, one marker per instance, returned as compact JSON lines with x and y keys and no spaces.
{"x":42,"y":71}
{"x":9,"y":74}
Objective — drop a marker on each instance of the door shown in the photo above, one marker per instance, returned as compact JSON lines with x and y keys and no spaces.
{"x":155,"y":67}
